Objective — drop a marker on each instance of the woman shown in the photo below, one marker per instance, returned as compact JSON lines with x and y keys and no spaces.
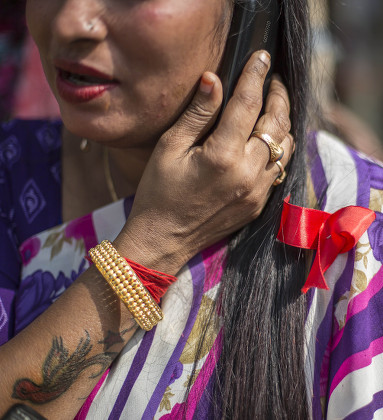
{"x":123,"y":81}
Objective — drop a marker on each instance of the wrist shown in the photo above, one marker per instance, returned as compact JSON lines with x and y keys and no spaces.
{"x":158,"y":253}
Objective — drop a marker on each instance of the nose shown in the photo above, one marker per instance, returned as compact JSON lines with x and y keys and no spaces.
{"x":79,"y":20}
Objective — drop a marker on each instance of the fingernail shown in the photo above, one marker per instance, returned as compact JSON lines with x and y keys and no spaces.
{"x":265,"y":57}
{"x":207,"y":83}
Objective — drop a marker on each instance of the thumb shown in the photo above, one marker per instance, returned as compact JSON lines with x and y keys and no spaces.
{"x":200,"y":115}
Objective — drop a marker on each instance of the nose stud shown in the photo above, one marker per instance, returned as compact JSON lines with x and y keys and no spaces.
{"x":90,"y":26}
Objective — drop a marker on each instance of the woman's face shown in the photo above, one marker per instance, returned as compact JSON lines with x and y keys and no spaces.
{"x":123,"y":70}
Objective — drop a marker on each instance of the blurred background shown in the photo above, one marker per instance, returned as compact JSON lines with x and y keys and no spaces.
{"x":347,"y":71}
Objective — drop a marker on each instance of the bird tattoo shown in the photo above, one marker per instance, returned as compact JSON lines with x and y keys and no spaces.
{"x":60,"y":370}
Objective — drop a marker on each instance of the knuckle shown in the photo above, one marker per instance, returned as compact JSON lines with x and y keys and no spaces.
{"x":237,"y":193}
{"x":280,"y":100}
{"x":247,"y":185}
{"x":224,"y":162}
{"x":282,"y":122}
{"x":256,"y":197}
{"x":280,"y":90}
{"x":250,"y":102}
{"x":221,"y":159}
{"x":197,"y":112}
{"x":244,"y":189}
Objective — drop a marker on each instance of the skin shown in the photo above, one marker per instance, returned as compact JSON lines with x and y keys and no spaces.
{"x":157,"y":73}
{"x":135,"y":43}
{"x":227,"y":170}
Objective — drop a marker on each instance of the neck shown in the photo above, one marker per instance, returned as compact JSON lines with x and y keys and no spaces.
{"x":127,"y":167}
{"x":126,"y":164}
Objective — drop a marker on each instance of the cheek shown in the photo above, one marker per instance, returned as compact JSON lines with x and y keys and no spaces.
{"x":174,"y":31}
{"x":170,"y":49}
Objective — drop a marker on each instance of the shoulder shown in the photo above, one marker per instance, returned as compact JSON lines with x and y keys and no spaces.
{"x":345,"y":320}
{"x":28,"y":145}
{"x":30,"y":173}
{"x":339,"y":175}
{"x":27,"y":136}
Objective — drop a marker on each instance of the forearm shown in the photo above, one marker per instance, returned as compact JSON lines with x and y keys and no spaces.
{"x":55,"y":363}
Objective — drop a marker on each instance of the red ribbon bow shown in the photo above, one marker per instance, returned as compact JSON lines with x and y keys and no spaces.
{"x":330,"y":234}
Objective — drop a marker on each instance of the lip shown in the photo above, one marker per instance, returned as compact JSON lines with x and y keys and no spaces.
{"x":75,"y":93}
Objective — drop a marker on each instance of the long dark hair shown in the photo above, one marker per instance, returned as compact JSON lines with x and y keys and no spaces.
{"x":260,"y":373}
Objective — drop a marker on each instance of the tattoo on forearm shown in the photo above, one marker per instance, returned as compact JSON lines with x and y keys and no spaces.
{"x":113,"y":338}
{"x":61,"y":370}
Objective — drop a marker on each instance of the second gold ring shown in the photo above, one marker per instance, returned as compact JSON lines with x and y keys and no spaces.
{"x":282,"y":174}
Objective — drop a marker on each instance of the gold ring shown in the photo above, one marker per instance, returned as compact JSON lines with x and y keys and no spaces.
{"x":282,"y":174}
{"x":276,"y":151}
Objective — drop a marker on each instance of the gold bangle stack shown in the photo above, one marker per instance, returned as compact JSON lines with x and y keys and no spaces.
{"x":127,"y":286}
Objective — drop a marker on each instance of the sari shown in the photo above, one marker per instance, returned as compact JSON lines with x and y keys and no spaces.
{"x":158,"y":370}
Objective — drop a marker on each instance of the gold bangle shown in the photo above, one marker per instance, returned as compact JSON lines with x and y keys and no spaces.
{"x":127,"y":286}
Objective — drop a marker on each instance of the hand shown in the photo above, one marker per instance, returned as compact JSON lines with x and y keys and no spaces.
{"x":196,"y":190}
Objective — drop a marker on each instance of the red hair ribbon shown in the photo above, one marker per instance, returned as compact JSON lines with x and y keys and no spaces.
{"x":329,"y":234}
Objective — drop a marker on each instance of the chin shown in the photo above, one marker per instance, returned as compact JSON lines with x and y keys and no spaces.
{"x":113,"y":130}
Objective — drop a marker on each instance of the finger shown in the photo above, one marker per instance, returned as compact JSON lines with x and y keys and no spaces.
{"x":265,"y":147}
{"x":276,"y":120}
{"x":244,"y":107}
{"x":277,"y":91}
{"x":200,"y":115}
{"x":259,"y":146}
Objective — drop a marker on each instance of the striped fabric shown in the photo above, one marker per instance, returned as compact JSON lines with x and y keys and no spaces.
{"x":344,"y":328}
{"x":151,"y":375}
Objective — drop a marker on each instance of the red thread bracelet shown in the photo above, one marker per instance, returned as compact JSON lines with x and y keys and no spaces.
{"x":156,"y":282}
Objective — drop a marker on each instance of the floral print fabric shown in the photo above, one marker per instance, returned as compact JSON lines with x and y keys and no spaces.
{"x":41,"y":257}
